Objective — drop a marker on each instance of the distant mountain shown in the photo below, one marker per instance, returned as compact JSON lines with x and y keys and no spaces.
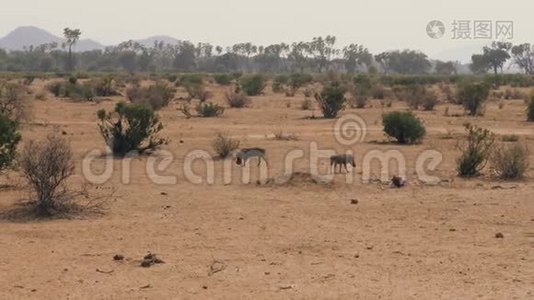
{"x":149,"y":42}
{"x":26,"y":36}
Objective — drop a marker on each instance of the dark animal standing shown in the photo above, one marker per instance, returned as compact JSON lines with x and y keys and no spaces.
{"x":246,"y":153}
{"x":342,"y":160}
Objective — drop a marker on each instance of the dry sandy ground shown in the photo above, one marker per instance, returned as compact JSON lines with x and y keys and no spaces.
{"x":298,"y":241}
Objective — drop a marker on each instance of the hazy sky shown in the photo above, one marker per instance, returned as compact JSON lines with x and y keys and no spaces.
{"x":378,"y":24}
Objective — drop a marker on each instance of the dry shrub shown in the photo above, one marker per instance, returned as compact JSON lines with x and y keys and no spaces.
{"x":307,"y":104}
{"x":47,"y":165}
{"x":510,"y":94}
{"x":447,"y":92}
{"x":237,"y":99}
{"x":378,"y":91}
{"x":197,"y":91}
{"x":476,"y":152}
{"x":510,"y":161}
{"x":13,"y":101}
{"x":157,"y":96}
{"x":510,"y":138}
{"x":224,"y":144}
{"x":103,"y":87}
{"x":417,"y":96}
{"x":280,"y":135}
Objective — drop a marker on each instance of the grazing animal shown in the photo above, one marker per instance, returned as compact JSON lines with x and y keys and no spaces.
{"x":246,"y":153}
{"x":341,"y":160}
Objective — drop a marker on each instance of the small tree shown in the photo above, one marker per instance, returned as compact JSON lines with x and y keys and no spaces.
{"x":47,"y":165}
{"x":472,"y":97}
{"x":405,"y":127}
{"x":530,"y":110}
{"x":9,"y":139}
{"x":475,"y":152}
{"x":331,"y":100}
{"x":71,"y":36}
{"x":131,"y":127}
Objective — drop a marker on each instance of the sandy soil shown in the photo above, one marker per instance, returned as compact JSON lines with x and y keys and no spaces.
{"x":299,"y":240}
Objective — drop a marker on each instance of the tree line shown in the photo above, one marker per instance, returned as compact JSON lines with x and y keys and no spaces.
{"x":319,"y":55}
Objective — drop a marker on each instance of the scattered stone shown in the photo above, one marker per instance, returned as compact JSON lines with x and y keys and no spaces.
{"x":286,"y":287}
{"x":354,"y":201}
{"x":398,"y":182}
{"x":64,"y":132}
{"x":104,"y":272}
{"x":205,"y":287}
{"x":181,"y":141}
{"x":163,"y":194}
{"x":499,"y":235}
{"x":452,"y":230}
{"x":216,"y":267}
{"x":118,"y":257}
{"x":146,"y":286}
{"x":150,"y":259}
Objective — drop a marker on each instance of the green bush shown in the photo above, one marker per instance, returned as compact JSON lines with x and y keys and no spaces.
{"x":252,"y":85}
{"x":298,"y":80}
{"x":476,"y":152}
{"x":209,"y":109}
{"x":78,"y":92}
{"x":472,"y":96}
{"x":171,"y":77}
{"x":405,"y":127}
{"x":510,"y":162}
{"x":190,"y":79}
{"x":71,"y":90}
{"x":279,"y":82}
{"x":9,"y":139}
{"x":530,"y":110}
{"x":55,"y":88}
{"x":131,"y":127}
{"x":331,"y":100}
{"x":73,"y":79}
{"x":223,"y":79}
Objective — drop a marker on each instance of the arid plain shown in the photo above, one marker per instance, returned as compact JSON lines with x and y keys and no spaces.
{"x":297,"y":240}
